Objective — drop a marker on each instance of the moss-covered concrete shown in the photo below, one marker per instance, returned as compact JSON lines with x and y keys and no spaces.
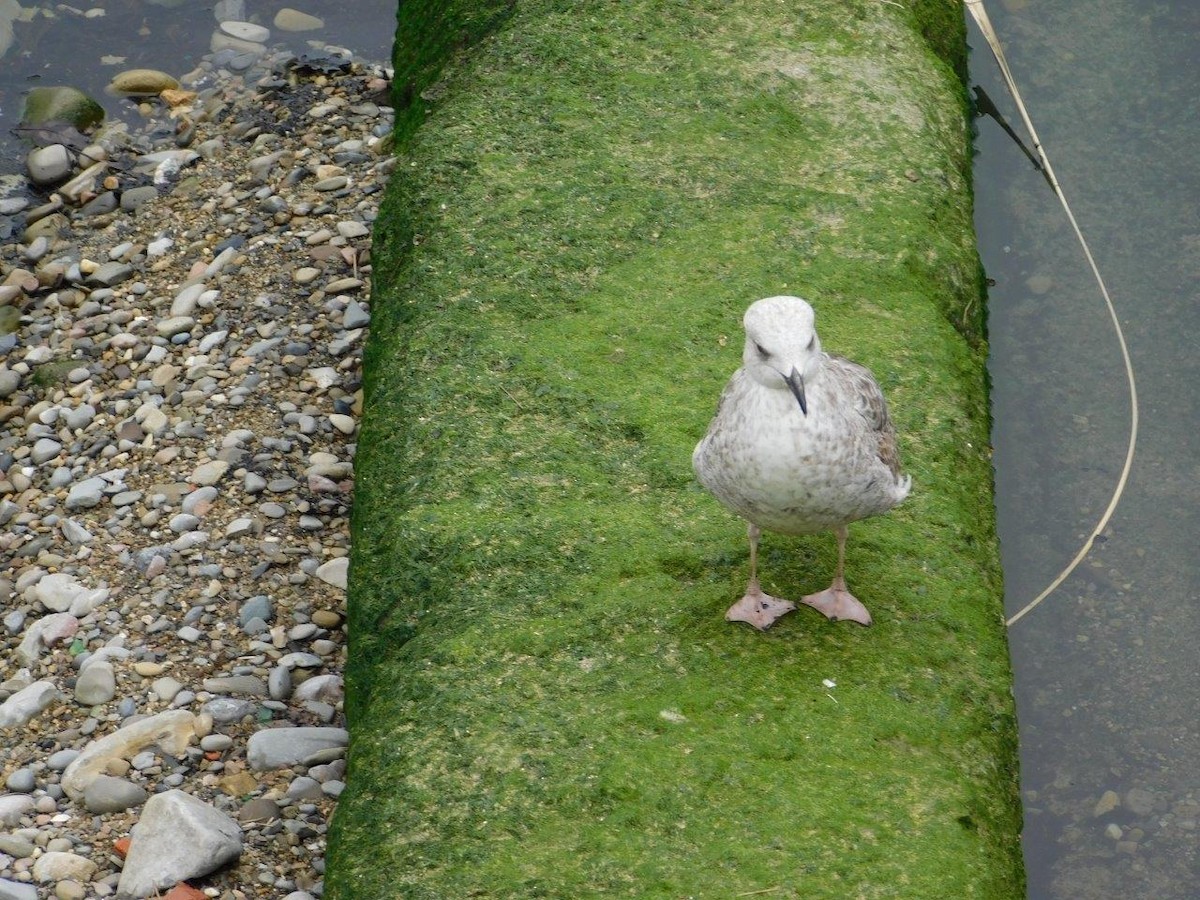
{"x":545,"y":700}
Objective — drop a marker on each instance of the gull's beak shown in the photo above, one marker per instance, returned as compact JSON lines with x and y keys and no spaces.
{"x":795,"y":382}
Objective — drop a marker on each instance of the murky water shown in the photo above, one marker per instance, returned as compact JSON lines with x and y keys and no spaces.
{"x":1108,"y":686}
{"x":83,"y":44}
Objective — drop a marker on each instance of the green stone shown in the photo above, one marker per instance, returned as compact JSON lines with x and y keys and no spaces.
{"x":68,"y":104}
{"x":10,"y":319}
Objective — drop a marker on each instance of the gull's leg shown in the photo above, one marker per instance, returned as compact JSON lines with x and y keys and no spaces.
{"x":756,"y":608}
{"x":835,"y":602}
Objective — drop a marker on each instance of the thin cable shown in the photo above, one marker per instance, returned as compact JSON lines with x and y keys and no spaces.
{"x":975,"y":7}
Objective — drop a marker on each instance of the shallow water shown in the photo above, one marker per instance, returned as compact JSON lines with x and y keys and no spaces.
{"x":86,"y":51}
{"x":1107,"y":683}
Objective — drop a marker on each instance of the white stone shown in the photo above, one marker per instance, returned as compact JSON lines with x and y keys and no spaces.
{"x":185,"y":301}
{"x":45,"y":450}
{"x":62,"y":593}
{"x":26,"y":703}
{"x":177,"y":838}
{"x":86,"y":494}
{"x":96,"y":684}
{"x":335,"y":572}
{"x":75,"y":533}
{"x":152,"y":419}
{"x":13,"y":807}
{"x":45,"y":631}
{"x":56,"y":865}
{"x":326,"y":688}
{"x":288,"y":19}
{"x":239,"y":527}
{"x":324,"y":377}
{"x":173,"y":325}
{"x":221,"y":41}
{"x":246,"y":31}
{"x":209,"y":472}
{"x":48,"y":165}
{"x":352,"y":229}
{"x":171,"y":730}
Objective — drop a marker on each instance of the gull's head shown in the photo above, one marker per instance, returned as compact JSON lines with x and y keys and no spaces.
{"x":782,"y":348}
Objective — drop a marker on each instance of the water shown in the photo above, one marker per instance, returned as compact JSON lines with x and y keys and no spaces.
{"x":170,"y":35}
{"x":1106,"y":677}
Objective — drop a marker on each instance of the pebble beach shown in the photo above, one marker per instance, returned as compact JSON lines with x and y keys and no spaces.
{"x":182,"y":315}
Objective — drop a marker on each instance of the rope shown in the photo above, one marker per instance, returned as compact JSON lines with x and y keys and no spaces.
{"x":975,"y":7}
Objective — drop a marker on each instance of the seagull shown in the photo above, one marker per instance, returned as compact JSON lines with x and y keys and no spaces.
{"x":801,"y":443}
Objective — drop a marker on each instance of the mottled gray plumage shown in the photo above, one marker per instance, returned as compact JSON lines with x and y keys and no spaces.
{"x":801,"y":442}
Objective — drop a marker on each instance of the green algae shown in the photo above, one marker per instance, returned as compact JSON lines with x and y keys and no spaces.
{"x":544,"y":697}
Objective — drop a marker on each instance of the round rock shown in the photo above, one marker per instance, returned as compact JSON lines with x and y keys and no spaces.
{"x":107,"y":794}
{"x":45,"y":104}
{"x":143,"y":82}
{"x":48,"y":165}
{"x":96,"y":684}
{"x":246,"y":31}
{"x":21,"y":781}
{"x":288,"y":19}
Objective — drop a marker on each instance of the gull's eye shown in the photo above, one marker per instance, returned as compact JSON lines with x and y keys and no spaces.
{"x":763,"y":353}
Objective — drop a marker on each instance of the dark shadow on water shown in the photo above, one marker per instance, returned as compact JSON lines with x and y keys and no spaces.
{"x":1106,"y":678}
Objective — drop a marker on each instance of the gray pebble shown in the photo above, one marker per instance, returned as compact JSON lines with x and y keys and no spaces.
{"x":304,"y":788}
{"x":198,"y":498}
{"x":166,"y":688}
{"x":174,"y":326}
{"x":186,"y":300}
{"x":86,"y":494}
{"x":80,"y":417}
{"x":300,"y":661}
{"x":1140,"y":801}
{"x":100,"y":205}
{"x":273,"y":748}
{"x":45,"y":450}
{"x":106,"y":794}
{"x":142,"y":761}
{"x":333,"y":183}
{"x":96,"y":684}
{"x":333,"y":788}
{"x":257,"y":607}
{"x":9,"y":382}
{"x":18,"y":847}
{"x":250,"y":685}
{"x":225,"y":710}
{"x":183,"y":522}
{"x":75,"y":532}
{"x":21,"y":781}
{"x":16,"y":890}
{"x":60,"y":759}
{"x":216,"y":743}
{"x":110,"y":273}
{"x":135,"y":197}
{"x":279,"y":683}
{"x":355,"y":316}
